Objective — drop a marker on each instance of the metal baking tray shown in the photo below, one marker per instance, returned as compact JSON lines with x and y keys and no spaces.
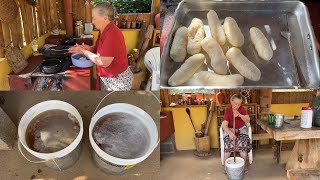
{"x":280,"y":72}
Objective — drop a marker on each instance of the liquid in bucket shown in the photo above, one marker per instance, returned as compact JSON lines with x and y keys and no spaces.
{"x":52,"y":131}
{"x":121,"y":135}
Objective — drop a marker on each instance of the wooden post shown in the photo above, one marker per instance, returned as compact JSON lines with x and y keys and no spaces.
{"x":68,"y":17}
{"x":8,"y":131}
{"x":305,"y":154}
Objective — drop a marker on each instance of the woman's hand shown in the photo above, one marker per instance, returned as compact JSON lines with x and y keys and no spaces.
{"x":232,"y":136}
{"x":76,"y":49}
{"x":86,"y":47}
{"x":236,"y":113}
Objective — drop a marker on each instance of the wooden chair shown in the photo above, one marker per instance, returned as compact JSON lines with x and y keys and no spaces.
{"x":222,"y":143}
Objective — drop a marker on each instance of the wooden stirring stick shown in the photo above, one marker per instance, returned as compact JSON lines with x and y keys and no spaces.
{"x":234,"y":142}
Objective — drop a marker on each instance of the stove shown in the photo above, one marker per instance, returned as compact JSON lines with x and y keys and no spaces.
{"x":51,"y":82}
{"x":59,"y":51}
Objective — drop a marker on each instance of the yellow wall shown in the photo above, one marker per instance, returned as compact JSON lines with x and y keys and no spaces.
{"x":184,"y":132}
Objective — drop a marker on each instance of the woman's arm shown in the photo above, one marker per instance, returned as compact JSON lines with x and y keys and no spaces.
{"x":97,"y":59}
{"x":228,"y":131}
{"x":244,"y":118}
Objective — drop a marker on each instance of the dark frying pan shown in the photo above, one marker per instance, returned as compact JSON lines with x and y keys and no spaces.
{"x":51,"y":66}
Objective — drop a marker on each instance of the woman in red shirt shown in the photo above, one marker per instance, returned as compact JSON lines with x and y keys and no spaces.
{"x":111,"y":56}
{"x":237,"y":112}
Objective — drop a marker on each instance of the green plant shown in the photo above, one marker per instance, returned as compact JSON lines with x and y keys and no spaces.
{"x":129,"y":6}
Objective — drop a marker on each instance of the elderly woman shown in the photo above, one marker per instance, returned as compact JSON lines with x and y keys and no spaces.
{"x":109,"y":54}
{"x":239,"y":133}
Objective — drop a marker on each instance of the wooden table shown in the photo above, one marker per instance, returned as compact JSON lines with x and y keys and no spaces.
{"x":303,"y":174}
{"x":75,"y":78}
{"x":306,"y":151}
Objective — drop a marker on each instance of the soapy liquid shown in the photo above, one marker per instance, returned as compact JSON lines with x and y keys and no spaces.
{"x":52,"y":131}
{"x":121,"y":135}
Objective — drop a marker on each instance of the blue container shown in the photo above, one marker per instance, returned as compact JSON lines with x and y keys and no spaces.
{"x":78,"y":61}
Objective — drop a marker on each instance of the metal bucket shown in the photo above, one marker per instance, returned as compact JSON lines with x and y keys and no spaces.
{"x":278,"y":120}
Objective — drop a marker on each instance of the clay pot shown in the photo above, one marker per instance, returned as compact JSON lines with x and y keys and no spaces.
{"x":157,"y":21}
{"x":220,"y":98}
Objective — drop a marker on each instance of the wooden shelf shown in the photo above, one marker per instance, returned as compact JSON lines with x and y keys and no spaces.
{"x":248,"y":114}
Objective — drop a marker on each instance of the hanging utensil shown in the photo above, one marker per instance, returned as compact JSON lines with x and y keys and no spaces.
{"x":188,"y":112}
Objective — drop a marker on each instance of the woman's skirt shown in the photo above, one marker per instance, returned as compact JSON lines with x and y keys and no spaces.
{"x":243,"y":143}
{"x":120,"y":82}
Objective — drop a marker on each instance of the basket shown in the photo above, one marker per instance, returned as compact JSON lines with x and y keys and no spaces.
{"x":8,"y":10}
{"x":15,"y":59}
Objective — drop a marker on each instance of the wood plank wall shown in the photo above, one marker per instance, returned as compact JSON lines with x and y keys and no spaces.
{"x":35,"y":21}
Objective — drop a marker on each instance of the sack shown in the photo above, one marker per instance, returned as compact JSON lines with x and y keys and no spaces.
{"x":15,"y":59}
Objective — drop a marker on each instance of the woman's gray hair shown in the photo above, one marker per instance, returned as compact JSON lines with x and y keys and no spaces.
{"x":106,"y":9}
{"x":238,"y":96}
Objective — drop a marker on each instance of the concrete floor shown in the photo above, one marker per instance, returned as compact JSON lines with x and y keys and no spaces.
{"x":185,"y":165}
{"x":14,"y":167}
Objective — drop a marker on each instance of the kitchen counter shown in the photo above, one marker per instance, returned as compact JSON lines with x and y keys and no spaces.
{"x":74,"y":79}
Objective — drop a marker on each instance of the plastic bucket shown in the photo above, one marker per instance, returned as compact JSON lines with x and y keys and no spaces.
{"x":61,"y":159}
{"x":235,"y":170}
{"x":115,"y":165}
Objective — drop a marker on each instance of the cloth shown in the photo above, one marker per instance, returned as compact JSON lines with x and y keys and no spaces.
{"x":111,"y":44}
{"x":243,"y":143}
{"x":228,"y":116}
{"x":121,"y":82}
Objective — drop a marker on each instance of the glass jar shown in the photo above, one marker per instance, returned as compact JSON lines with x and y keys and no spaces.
{"x":34,"y":45}
{"x":79,"y":29}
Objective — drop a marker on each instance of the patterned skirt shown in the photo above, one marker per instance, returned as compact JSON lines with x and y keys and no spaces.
{"x":120,"y":82}
{"x":243,"y":143}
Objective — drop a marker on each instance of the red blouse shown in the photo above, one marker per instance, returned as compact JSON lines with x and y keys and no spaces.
{"x":111,"y":44}
{"x":228,"y":116}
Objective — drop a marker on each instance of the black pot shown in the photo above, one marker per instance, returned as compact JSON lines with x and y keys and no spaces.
{"x":51,"y":66}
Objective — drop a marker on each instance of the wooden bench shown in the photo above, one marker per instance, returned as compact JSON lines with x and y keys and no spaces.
{"x":304,"y":174}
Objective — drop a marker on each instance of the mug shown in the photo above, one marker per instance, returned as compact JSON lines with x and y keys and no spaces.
{"x":88,"y":28}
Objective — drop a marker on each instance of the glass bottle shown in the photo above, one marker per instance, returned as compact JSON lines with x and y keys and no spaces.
{"x":34,"y":45}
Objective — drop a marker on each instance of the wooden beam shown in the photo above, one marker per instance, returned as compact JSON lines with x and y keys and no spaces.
{"x":2,"y":43}
{"x":261,"y":136}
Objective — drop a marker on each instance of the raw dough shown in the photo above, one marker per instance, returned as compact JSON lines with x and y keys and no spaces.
{"x":212,"y":79}
{"x":195,"y":36}
{"x":178,"y":49}
{"x":218,"y":59}
{"x":215,"y":27}
{"x":261,"y":44}
{"x":233,"y":32}
{"x":243,"y":65}
{"x":187,"y":70}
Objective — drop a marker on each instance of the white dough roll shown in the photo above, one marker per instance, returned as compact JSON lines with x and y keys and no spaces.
{"x":187,"y":70}
{"x":261,"y":44}
{"x":218,"y":59}
{"x":216,"y":29}
{"x":233,"y":32}
{"x":195,"y":36}
{"x":243,"y":65}
{"x":178,"y":49}
{"x":212,"y":79}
